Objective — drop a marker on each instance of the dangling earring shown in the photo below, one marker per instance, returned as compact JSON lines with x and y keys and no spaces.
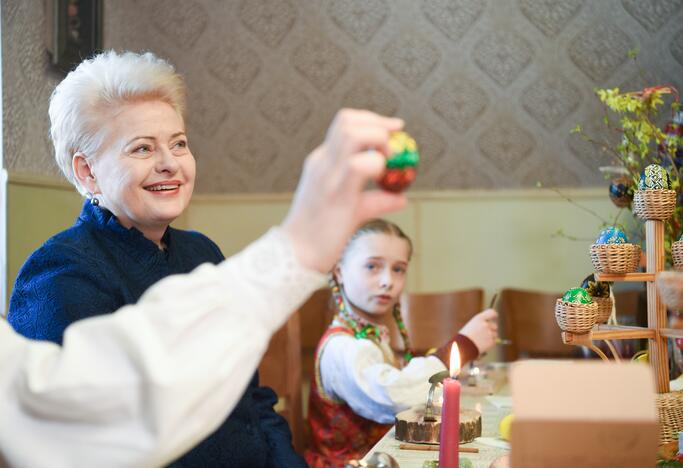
{"x":94,"y":201}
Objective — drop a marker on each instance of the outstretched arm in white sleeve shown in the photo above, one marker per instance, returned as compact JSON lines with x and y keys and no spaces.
{"x":141,"y":386}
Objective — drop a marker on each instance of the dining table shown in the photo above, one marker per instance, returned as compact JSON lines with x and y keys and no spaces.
{"x":493,"y":405}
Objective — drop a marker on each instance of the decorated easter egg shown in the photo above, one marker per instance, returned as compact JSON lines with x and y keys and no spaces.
{"x":401,"y":164}
{"x":641,"y":356}
{"x":612,"y":235}
{"x":505,"y":427}
{"x":577,"y":296}
{"x":673,"y":130}
{"x":595,"y":288}
{"x":621,"y":191}
{"x":654,"y":177}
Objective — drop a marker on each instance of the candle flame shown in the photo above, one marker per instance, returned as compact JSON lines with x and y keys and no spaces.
{"x":455,"y":360}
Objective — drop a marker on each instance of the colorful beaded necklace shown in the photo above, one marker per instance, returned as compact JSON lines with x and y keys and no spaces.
{"x":368,"y":330}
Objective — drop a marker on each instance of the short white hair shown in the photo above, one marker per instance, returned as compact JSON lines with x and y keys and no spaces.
{"x":94,"y":92}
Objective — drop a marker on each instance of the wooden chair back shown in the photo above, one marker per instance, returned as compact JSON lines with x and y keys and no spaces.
{"x":434,"y":318}
{"x":528,"y":319}
{"x":315,"y":316}
{"x":280,"y":369}
{"x":287,"y":366}
{"x":631,"y":307}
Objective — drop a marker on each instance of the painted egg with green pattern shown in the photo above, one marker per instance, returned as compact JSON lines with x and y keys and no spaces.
{"x":654,"y":177}
{"x":401,"y":164}
{"x":577,"y":296}
{"x":595,"y":288}
{"x":612,"y":235}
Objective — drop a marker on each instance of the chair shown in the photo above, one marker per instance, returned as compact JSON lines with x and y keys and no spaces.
{"x":631,"y":307}
{"x":528,"y":321}
{"x":434,"y":318}
{"x":315,"y":316}
{"x":287,"y":365}
{"x":280,"y":369}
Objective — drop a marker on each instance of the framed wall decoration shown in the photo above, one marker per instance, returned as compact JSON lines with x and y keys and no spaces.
{"x":76,"y":31}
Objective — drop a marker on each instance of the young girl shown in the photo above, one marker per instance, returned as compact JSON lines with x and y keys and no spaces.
{"x":360,"y":382}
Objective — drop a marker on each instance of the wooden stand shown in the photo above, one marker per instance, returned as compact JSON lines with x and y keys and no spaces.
{"x":656,"y":331}
{"x":411,"y":426}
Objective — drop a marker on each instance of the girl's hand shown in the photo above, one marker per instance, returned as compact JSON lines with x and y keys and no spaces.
{"x":482,"y":329}
{"x":330,"y":201}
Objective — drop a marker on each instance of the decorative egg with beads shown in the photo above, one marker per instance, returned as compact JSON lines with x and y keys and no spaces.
{"x":595,"y":288}
{"x":612,"y":235}
{"x":577,"y":296}
{"x":621,"y":191}
{"x":654,"y":177}
{"x":401,"y":164}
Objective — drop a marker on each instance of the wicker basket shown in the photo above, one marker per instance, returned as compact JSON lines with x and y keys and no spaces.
{"x":604,"y":308}
{"x":615,"y":258}
{"x":677,"y":254}
{"x":670,"y":284}
{"x":575,"y":318}
{"x":670,"y":411}
{"x":654,"y":204}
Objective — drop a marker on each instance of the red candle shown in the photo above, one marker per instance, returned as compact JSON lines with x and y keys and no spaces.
{"x":450,"y":415}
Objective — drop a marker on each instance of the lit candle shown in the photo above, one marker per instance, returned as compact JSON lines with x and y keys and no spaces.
{"x":450,"y":415}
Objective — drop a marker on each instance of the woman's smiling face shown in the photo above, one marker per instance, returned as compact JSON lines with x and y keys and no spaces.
{"x":145,"y":171}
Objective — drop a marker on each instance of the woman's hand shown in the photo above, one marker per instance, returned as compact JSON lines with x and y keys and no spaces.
{"x":482,"y":329}
{"x":330,"y":201}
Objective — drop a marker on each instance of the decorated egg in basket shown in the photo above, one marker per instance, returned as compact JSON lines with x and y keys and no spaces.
{"x":612,"y":235}
{"x":577,"y":296}
{"x":595,"y":288}
{"x":654,"y":177}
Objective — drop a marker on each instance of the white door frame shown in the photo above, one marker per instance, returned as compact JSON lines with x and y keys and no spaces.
{"x":3,"y":200}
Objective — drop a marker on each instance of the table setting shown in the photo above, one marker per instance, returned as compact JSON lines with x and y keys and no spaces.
{"x":473,"y":414}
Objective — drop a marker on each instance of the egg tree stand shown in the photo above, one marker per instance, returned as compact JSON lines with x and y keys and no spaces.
{"x":656,"y":331}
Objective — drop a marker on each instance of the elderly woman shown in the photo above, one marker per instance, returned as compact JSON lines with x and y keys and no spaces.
{"x":117,"y":124}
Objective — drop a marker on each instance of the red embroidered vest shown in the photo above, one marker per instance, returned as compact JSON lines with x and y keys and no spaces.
{"x":337,"y":433}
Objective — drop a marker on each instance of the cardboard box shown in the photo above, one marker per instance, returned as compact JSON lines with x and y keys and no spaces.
{"x":583,"y":414}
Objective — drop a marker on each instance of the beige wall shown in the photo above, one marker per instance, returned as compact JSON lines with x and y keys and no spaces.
{"x":37,"y":208}
{"x":462,"y":239}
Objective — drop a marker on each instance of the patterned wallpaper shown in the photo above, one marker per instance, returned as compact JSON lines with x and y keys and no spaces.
{"x":489,"y":88}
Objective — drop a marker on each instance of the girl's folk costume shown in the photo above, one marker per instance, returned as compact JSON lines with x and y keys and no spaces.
{"x":360,"y":384}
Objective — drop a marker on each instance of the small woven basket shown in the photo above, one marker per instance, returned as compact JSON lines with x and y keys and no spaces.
{"x":677,"y":254}
{"x":575,"y":318}
{"x":615,"y":258}
{"x":670,"y":411}
{"x":670,"y":284}
{"x":654,"y":204}
{"x":604,"y":308}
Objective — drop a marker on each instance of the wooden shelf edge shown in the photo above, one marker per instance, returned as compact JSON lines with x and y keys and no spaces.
{"x":608,"y":332}
{"x":671,"y":332}
{"x":626,"y":277}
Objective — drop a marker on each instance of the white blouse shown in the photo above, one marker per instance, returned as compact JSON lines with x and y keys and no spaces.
{"x":355,"y":371}
{"x":144,"y":385}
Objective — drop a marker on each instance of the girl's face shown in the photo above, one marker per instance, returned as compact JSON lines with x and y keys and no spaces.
{"x":373,"y":272}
